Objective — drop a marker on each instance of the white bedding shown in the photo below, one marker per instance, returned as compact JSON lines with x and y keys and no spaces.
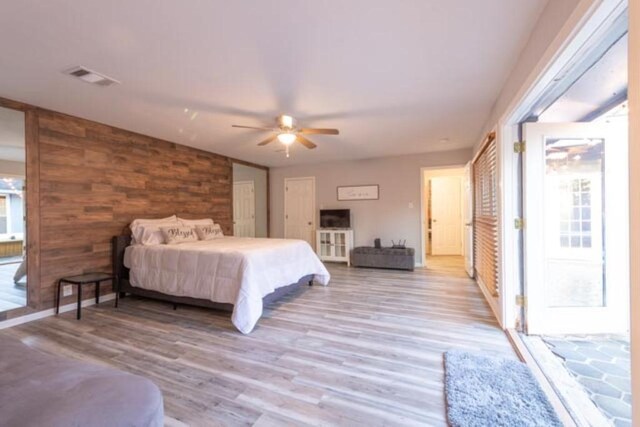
{"x":235,"y":270}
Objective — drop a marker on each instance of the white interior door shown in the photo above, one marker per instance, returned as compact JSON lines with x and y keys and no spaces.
{"x":446,"y":215}
{"x":467,"y":209}
{"x":576,"y":233}
{"x":299,"y":206}
{"x":244,"y":209}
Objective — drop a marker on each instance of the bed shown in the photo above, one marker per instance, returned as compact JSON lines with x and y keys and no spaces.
{"x":231,"y":273}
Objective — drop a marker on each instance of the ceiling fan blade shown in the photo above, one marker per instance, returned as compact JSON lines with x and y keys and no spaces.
{"x":320,"y":131}
{"x":304,"y":141}
{"x":251,"y":127}
{"x":268,"y":140}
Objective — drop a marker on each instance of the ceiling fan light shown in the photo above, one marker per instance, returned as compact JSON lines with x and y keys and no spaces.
{"x":287,"y":138}
{"x":286,"y":121}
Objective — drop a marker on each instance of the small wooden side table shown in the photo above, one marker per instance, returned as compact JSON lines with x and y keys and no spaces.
{"x":80,"y":280}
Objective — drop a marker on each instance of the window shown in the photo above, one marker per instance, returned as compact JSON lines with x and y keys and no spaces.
{"x":574,"y":181}
{"x":575,"y":213}
{"x":485,"y":216}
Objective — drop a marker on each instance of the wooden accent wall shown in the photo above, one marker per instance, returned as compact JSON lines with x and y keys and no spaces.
{"x":87,"y":181}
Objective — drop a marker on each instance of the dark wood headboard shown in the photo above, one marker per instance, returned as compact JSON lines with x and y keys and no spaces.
{"x":119,"y":244}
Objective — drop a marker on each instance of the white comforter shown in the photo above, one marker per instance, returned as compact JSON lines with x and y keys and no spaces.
{"x":235,"y":270}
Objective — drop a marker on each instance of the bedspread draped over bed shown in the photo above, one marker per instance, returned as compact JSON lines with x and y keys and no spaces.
{"x":234,"y":270}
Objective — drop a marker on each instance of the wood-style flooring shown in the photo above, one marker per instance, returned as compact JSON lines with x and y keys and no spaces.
{"x":366,"y":350}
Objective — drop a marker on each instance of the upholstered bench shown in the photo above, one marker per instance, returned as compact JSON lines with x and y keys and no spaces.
{"x":394,"y":258}
{"x":39,"y":389}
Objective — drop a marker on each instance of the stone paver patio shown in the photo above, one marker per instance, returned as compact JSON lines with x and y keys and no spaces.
{"x":601,"y":364}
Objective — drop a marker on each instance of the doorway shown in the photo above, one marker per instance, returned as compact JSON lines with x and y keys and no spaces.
{"x":576,"y":264}
{"x":575,"y":292}
{"x":13,"y":262}
{"x":244,"y":209}
{"x":443,"y":212}
{"x":299,"y":209}
{"x":250,"y":200}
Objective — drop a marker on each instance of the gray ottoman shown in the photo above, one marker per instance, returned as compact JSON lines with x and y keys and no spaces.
{"x":398,"y":259}
{"x":39,"y":389}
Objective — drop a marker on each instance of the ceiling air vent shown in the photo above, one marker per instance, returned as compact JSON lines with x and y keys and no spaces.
{"x":90,"y":76}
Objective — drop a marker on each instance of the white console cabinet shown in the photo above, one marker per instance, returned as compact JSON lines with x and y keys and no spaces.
{"x":334,"y":244}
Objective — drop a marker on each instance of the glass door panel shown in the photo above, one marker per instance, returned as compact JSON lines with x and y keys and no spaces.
{"x":574,"y":224}
{"x":340,"y":245}
{"x":13,"y":227}
{"x":325,"y":244}
{"x":576,"y":233}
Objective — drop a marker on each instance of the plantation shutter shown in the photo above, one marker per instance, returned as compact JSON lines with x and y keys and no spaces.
{"x":485,"y":215}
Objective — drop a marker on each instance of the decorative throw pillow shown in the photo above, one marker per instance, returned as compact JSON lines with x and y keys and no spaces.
{"x":147,"y":231}
{"x":209,"y":232}
{"x":178,"y":234}
{"x":194,"y":222}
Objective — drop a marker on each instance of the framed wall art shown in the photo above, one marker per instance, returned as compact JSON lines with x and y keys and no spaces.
{"x":359,"y":192}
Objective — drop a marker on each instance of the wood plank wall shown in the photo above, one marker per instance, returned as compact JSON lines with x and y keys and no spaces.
{"x":87,"y":181}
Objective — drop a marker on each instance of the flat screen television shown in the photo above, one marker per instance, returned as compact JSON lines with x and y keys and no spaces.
{"x":335,"y":218}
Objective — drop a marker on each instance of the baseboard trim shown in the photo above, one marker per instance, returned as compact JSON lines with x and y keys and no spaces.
{"x":52,"y":311}
{"x":491,"y":300}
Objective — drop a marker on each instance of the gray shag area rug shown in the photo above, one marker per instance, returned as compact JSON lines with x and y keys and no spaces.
{"x":486,"y":391}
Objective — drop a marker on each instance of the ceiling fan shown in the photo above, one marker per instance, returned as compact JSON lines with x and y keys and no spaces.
{"x":286,"y":132}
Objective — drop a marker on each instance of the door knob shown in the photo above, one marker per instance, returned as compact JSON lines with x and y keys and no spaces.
{"x":309,"y":223}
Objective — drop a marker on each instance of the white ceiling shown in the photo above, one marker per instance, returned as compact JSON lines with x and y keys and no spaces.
{"x":396,"y":77}
{"x":605,"y":82}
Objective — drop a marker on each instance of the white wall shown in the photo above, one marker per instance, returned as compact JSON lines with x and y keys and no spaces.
{"x":12,"y":169}
{"x":553,"y":17}
{"x":396,"y":215}
{"x":259,"y":177}
{"x":634,"y":194}
{"x":546,"y":39}
{"x":12,"y":135}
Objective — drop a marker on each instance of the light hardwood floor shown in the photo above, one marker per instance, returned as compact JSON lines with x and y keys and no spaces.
{"x":366,"y":350}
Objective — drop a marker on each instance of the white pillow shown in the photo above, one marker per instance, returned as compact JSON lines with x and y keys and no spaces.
{"x":194,"y":222}
{"x":147,"y":231}
{"x":178,"y":234}
{"x":209,"y":232}
{"x":151,"y":234}
{"x":136,"y":222}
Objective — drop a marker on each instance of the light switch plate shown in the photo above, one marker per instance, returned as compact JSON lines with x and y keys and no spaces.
{"x":67,"y":290}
